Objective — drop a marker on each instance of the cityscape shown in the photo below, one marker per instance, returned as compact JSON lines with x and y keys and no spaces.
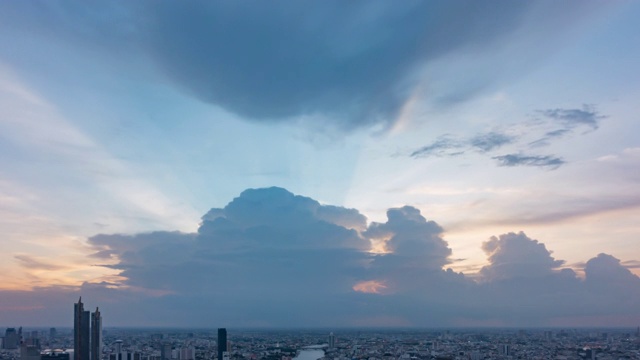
{"x":320,"y":180}
{"x":87,"y":341}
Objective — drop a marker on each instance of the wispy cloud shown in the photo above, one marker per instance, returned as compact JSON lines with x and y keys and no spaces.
{"x":35,"y":264}
{"x":447,"y":145}
{"x":490,"y":141}
{"x":441,"y":147}
{"x":572,"y":118}
{"x":529,"y":160}
{"x":554,"y":125}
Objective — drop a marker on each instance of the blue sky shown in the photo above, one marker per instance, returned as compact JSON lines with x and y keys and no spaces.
{"x":431,"y":145}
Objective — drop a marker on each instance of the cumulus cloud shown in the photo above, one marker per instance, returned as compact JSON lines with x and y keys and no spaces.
{"x":516,"y":255}
{"x":272,"y":258}
{"x":409,"y":236}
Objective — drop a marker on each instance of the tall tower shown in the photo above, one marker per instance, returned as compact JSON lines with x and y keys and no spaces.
{"x":222,"y":342}
{"x":96,"y":335}
{"x":81,"y":332}
{"x":332,"y":341}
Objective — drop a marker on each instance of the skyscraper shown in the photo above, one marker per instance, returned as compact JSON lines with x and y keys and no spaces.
{"x":81,"y":332}
{"x":332,"y":341}
{"x":165,"y":351}
{"x":222,"y":342}
{"x":11,"y":339}
{"x":96,"y":335}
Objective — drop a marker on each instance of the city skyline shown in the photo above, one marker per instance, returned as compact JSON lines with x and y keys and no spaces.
{"x":320,"y":164}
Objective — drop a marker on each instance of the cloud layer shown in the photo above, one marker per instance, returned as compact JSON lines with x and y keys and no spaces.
{"x":272,"y":258}
{"x":352,"y":64}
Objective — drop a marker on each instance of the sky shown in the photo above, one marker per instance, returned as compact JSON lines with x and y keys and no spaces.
{"x":320,"y":163}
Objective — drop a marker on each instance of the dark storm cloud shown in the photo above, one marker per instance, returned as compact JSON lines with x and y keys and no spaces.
{"x":355,"y":61}
{"x":547,"y":161}
{"x":272,"y":258}
{"x":351,"y":63}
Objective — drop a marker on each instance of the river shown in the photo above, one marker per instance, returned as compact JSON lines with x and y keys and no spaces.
{"x":310,"y":354}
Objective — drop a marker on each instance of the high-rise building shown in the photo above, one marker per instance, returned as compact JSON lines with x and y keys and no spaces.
{"x":11,"y":339}
{"x":222,"y":342}
{"x":505,"y":349}
{"x":53,"y":333}
{"x":29,"y":352}
{"x":332,"y":341}
{"x":81,"y":332}
{"x":165,"y":351}
{"x":96,"y":335}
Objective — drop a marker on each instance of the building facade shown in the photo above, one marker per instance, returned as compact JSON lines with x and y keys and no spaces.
{"x":222,"y":342}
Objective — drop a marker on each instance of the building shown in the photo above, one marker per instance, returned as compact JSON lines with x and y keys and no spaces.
{"x":81,"y":332}
{"x":11,"y":339}
{"x":505,"y":350}
{"x":332,"y":341}
{"x":165,"y":351}
{"x":55,"y":355}
{"x":222,"y":342}
{"x":29,"y":352}
{"x":96,"y":335}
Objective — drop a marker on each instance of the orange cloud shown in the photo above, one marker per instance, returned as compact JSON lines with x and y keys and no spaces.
{"x":370,"y":287}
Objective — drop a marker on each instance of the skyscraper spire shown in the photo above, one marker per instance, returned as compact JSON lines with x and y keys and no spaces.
{"x":96,"y":335}
{"x":81,"y":332}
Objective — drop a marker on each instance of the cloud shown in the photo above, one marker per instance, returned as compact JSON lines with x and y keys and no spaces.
{"x":441,"y":147}
{"x":571,"y":118}
{"x":448,"y":146}
{"x":510,"y":160}
{"x":549,"y":137}
{"x":521,"y":136}
{"x":605,"y":271}
{"x":351,"y":65}
{"x":489,"y":141}
{"x":35,"y":264}
{"x":411,"y":239}
{"x":272,"y":258}
{"x":516,"y":255}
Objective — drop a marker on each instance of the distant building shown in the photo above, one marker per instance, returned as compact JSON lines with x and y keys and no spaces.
{"x":332,"y":341}
{"x":53,"y":333}
{"x":505,"y":349}
{"x":11,"y":339}
{"x":55,"y":355}
{"x":81,"y":332}
{"x":222,"y":342}
{"x":29,"y":352}
{"x":96,"y":335}
{"x":165,"y":351}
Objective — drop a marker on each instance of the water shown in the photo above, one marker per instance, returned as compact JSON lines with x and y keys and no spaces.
{"x":309,"y":354}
